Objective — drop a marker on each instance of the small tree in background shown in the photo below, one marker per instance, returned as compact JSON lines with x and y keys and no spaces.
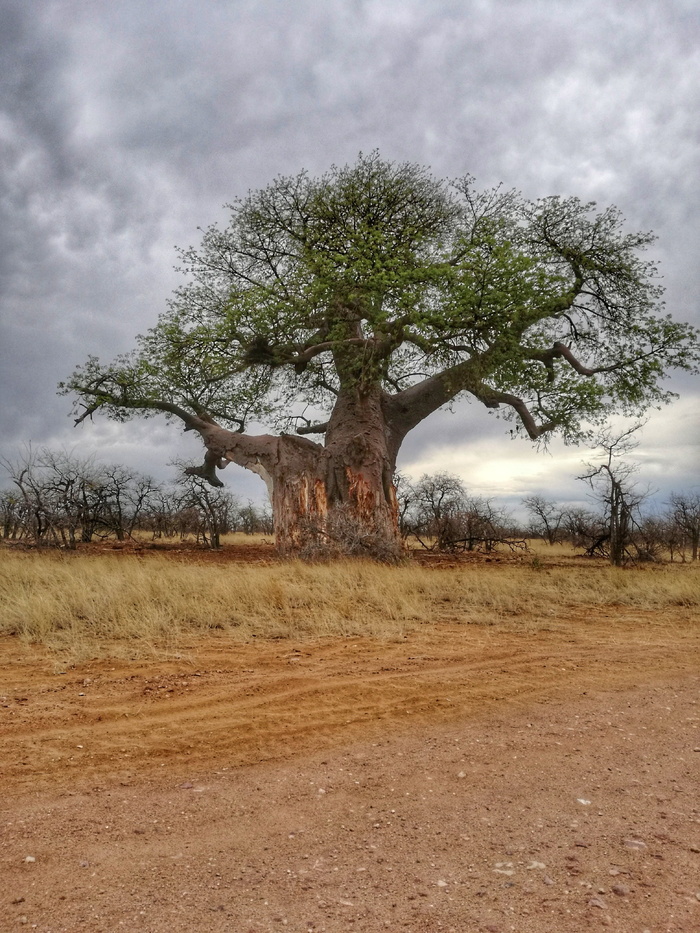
{"x":12,"y":514}
{"x":585,"y":530}
{"x":206,"y":512}
{"x":481,"y":525}
{"x":685,"y":514}
{"x":650,"y":537}
{"x":613,"y":487}
{"x":63,"y":499}
{"x":437,"y":500}
{"x":128,"y":496}
{"x":61,"y":495}
{"x":253,"y":520}
{"x":547,"y":519}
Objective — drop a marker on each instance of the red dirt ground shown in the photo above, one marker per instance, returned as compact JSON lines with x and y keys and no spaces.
{"x":458,"y":779}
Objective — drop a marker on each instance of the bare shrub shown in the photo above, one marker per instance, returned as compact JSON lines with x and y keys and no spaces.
{"x":439,"y":513}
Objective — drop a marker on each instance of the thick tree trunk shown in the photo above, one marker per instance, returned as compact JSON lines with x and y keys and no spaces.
{"x":331,"y":500}
{"x":340,"y":498}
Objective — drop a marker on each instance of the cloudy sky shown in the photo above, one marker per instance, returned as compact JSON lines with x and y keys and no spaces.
{"x":125,"y":126}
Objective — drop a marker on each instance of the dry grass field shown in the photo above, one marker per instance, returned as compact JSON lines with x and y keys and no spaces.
{"x":88,"y":605}
{"x":201,"y":741}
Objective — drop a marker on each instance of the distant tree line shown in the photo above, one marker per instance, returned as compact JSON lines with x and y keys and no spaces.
{"x":438,"y":513}
{"x":629,"y":535}
{"x":59,"y":499}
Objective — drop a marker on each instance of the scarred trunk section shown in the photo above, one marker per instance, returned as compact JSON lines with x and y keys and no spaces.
{"x":331,"y":500}
{"x":339,"y":499}
{"x":300,"y":499}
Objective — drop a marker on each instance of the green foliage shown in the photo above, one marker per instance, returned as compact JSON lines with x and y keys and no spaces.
{"x":378,"y":274}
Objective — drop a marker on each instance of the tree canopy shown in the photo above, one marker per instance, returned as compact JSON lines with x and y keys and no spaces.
{"x":356,"y":304}
{"x":380,"y":273}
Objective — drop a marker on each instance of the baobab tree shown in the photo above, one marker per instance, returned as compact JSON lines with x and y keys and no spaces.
{"x":351,"y":307}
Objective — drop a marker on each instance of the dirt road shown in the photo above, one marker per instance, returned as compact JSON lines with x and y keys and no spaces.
{"x":459,"y":778}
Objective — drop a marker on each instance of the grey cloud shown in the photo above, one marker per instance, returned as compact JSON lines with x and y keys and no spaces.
{"x":126,"y":125}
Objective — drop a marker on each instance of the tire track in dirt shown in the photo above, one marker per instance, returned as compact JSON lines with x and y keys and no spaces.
{"x":228,"y":704}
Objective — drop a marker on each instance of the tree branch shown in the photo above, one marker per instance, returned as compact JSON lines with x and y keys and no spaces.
{"x":207,"y":471}
{"x":560,"y":350}
{"x":493,"y":399}
{"x":408,"y":408}
{"x":313,"y":428}
{"x":254,"y":453}
{"x":192,"y":422}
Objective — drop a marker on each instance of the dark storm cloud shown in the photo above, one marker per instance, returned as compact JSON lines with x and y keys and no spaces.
{"x":124,"y":126}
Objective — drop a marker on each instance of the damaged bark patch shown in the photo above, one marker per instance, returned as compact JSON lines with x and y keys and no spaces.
{"x":361,"y":493}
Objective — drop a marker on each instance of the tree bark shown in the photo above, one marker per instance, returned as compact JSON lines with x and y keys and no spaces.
{"x":330,"y":500}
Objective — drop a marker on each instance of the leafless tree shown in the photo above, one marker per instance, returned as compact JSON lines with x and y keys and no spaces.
{"x":252,"y":519}
{"x":584,"y":530}
{"x":430,"y":508}
{"x":650,"y":537}
{"x":62,"y":499}
{"x":547,"y":519}
{"x":12,"y":514}
{"x":442,"y":516}
{"x":685,"y":514}
{"x":22,"y":473}
{"x":610,"y":479}
{"x":405,"y":498}
{"x":482,"y":525}
{"x":59,"y":491}
{"x":128,"y":498}
{"x":204,"y":510}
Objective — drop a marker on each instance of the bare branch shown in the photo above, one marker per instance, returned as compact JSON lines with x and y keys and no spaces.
{"x":192,"y":422}
{"x":493,"y":399}
{"x":207,"y":471}
{"x":313,"y":428}
{"x":560,"y":350}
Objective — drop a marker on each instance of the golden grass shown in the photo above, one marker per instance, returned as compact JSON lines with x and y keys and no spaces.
{"x":230,"y":539}
{"x":96,"y":605}
{"x":241,"y":539}
{"x":542,"y":549}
